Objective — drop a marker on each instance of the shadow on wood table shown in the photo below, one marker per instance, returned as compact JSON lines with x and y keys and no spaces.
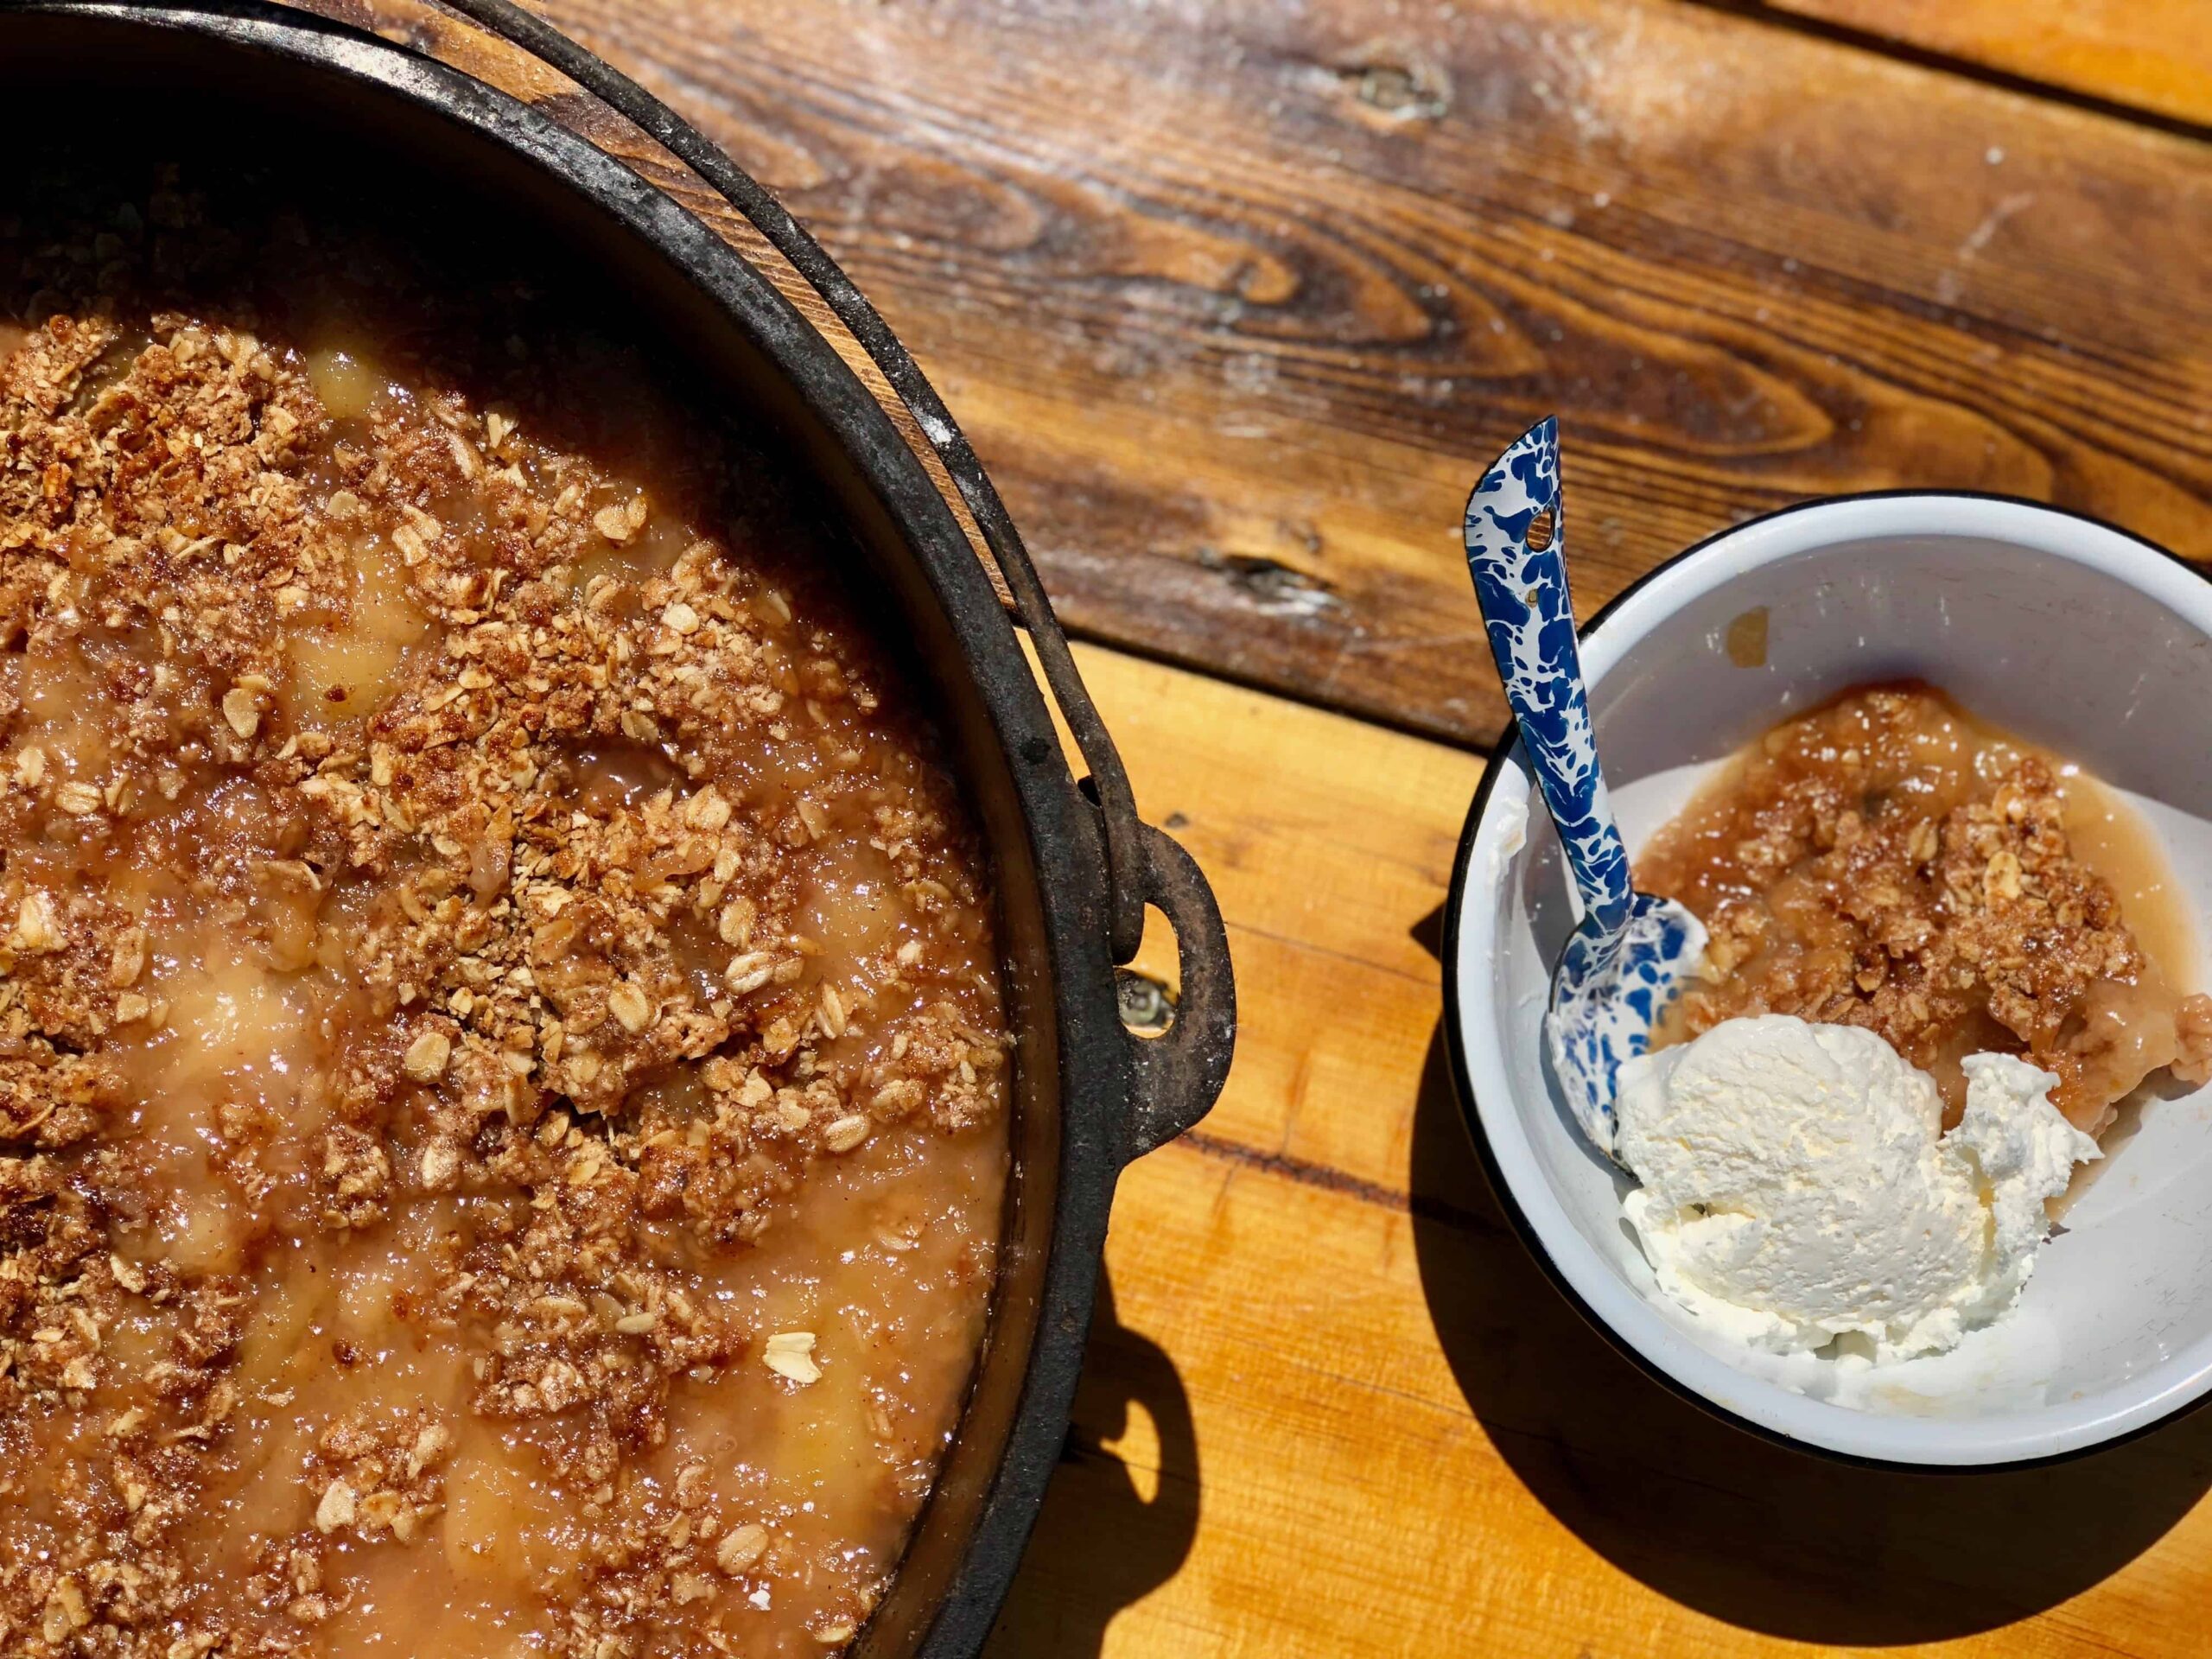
{"x":1099,"y":1542}
{"x":1768,"y":1538}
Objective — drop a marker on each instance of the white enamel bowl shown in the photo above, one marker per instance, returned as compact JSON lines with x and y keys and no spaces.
{"x":2071,"y":634}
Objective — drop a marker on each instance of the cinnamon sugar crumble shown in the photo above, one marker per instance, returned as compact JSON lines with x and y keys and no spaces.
{"x":1888,"y":862}
{"x":489,"y":954}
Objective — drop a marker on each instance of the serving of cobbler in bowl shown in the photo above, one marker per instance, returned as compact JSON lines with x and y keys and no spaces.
{"x":1918,"y":1166}
{"x":1888,"y":861}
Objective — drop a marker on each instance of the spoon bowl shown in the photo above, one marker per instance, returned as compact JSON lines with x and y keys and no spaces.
{"x":1608,"y":991}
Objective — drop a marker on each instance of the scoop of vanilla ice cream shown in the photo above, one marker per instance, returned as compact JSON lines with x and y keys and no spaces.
{"x":2024,"y":1151}
{"x":1796,"y":1187}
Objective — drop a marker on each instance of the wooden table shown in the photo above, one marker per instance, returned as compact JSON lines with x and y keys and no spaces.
{"x":1235,"y":299}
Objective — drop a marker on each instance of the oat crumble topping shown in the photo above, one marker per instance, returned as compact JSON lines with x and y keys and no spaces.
{"x":446,"y":871}
{"x":1888,"y":862}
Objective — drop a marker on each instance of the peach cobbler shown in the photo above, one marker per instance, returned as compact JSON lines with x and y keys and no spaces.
{"x":1889,"y":862}
{"x":502,"y":1066}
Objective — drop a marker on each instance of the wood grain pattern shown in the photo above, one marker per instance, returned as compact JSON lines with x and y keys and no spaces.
{"x":2152,"y":55}
{"x":1235,"y":299}
{"x":1336,"y":1410}
{"x":1327,"y":843}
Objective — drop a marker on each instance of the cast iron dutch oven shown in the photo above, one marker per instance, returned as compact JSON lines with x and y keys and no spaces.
{"x":1075,"y":867}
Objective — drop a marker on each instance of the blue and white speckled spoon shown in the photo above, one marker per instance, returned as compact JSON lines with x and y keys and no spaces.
{"x":1632,"y":952}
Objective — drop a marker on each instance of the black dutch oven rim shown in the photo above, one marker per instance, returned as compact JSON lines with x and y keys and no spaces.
{"x":1494,"y":762}
{"x":1097,"y":866}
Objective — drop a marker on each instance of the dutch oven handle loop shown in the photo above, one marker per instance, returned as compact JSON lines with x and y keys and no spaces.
{"x":1180,"y":1073}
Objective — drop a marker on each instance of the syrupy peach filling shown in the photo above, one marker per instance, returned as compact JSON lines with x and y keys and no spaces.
{"x":1889,"y":862}
{"x":501,"y":1056}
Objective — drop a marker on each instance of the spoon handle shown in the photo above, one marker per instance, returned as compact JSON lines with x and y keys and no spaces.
{"x":1530,"y":620}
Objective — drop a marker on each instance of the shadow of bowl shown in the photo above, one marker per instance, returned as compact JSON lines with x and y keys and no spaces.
{"x":1765,"y":1537}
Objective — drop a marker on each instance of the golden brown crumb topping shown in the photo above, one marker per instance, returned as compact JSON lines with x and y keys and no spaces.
{"x":1885,"y":862}
{"x":440,"y":858}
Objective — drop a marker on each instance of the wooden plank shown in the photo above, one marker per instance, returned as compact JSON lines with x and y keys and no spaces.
{"x":1374,"y":1433}
{"x":2154,"y":55}
{"x":1327,"y":873}
{"x":1334,"y":1408}
{"x":1235,"y":299}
